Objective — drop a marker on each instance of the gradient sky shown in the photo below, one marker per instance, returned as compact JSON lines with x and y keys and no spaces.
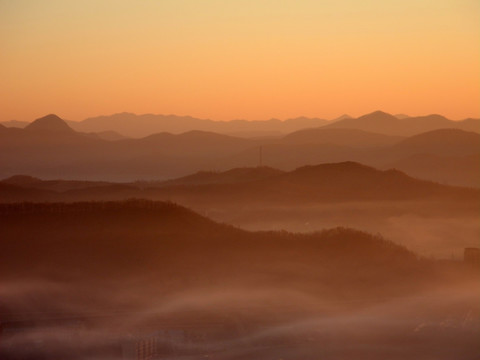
{"x":251,"y":59}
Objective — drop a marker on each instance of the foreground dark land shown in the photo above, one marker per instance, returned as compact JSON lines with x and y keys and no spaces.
{"x":120,"y":280}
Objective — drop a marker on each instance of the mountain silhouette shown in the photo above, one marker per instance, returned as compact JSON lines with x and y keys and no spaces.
{"x":373,"y":122}
{"x":470,"y":125}
{"x":354,"y":181}
{"x":10,"y":193}
{"x":233,"y":176}
{"x":14,"y":123}
{"x":132,"y":125}
{"x":137,"y":126}
{"x":384,"y":123}
{"x":346,"y":181}
{"x":107,"y":135}
{"x":453,"y":170}
{"x":48,"y":148}
{"x":448,"y":142}
{"x":344,"y":137}
{"x":109,"y":241}
{"x":62,"y":150}
{"x":58,"y":185}
{"x":50,"y":123}
{"x":22,"y":180}
{"x":342,"y":117}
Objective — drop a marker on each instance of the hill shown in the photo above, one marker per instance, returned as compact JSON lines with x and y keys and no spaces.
{"x":49,"y":148}
{"x":14,"y":123}
{"x":446,"y":142}
{"x":384,"y":123}
{"x":453,"y":170}
{"x":58,"y":185}
{"x":12,"y":193}
{"x":347,"y":181}
{"x":154,"y":274}
{"x":336,"y":182}
{"x":342,"y":137}
{"x":112,"y":240}
{"x":49,"y":123}
{"x":133,"y":125}
{"x":232,"y":176}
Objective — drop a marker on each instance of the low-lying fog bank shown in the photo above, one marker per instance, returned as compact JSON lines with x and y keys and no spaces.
{"x":141,"y":279}
{"x":439,"y":230}
{"x":241,"y":323}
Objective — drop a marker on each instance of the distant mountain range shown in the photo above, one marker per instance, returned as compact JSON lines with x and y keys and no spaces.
{"x":137,"y":126}
{"x":343,"y":137}
{"x":384,"y":123}
{"x":346,"y":181}
{"x":454,"y":170}
{"x":49,"y":148}
{"x":302,"y":149}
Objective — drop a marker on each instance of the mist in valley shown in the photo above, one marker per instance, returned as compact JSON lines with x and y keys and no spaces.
{"x":239,"y":180}
{"x":430,"y":229}
{"x":337,"y":260}
{"x":122,"y":280}
{"x":239,"y":323}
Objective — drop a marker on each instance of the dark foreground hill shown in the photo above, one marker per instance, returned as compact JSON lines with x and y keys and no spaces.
{"x":112,"y":280}
{"x":100,"y":241}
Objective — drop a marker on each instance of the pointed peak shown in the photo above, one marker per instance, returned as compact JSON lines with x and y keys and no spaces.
{"x":51,"y":123}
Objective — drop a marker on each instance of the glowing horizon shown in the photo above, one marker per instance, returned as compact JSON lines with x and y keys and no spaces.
{"x":251,"y":60}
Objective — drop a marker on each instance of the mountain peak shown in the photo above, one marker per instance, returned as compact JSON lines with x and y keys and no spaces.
{"x":378,"y":115}
{"x":342,"y":117}
{"x":51,"y":123}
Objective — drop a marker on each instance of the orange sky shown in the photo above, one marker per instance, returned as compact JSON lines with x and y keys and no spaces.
{"x":251,"y":59}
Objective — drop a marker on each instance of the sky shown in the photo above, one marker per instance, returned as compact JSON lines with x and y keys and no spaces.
{"x":239,"y":59}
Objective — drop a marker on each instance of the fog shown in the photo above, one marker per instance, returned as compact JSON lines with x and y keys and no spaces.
{"x":441,"y":323}
{"x":430,"y":229}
